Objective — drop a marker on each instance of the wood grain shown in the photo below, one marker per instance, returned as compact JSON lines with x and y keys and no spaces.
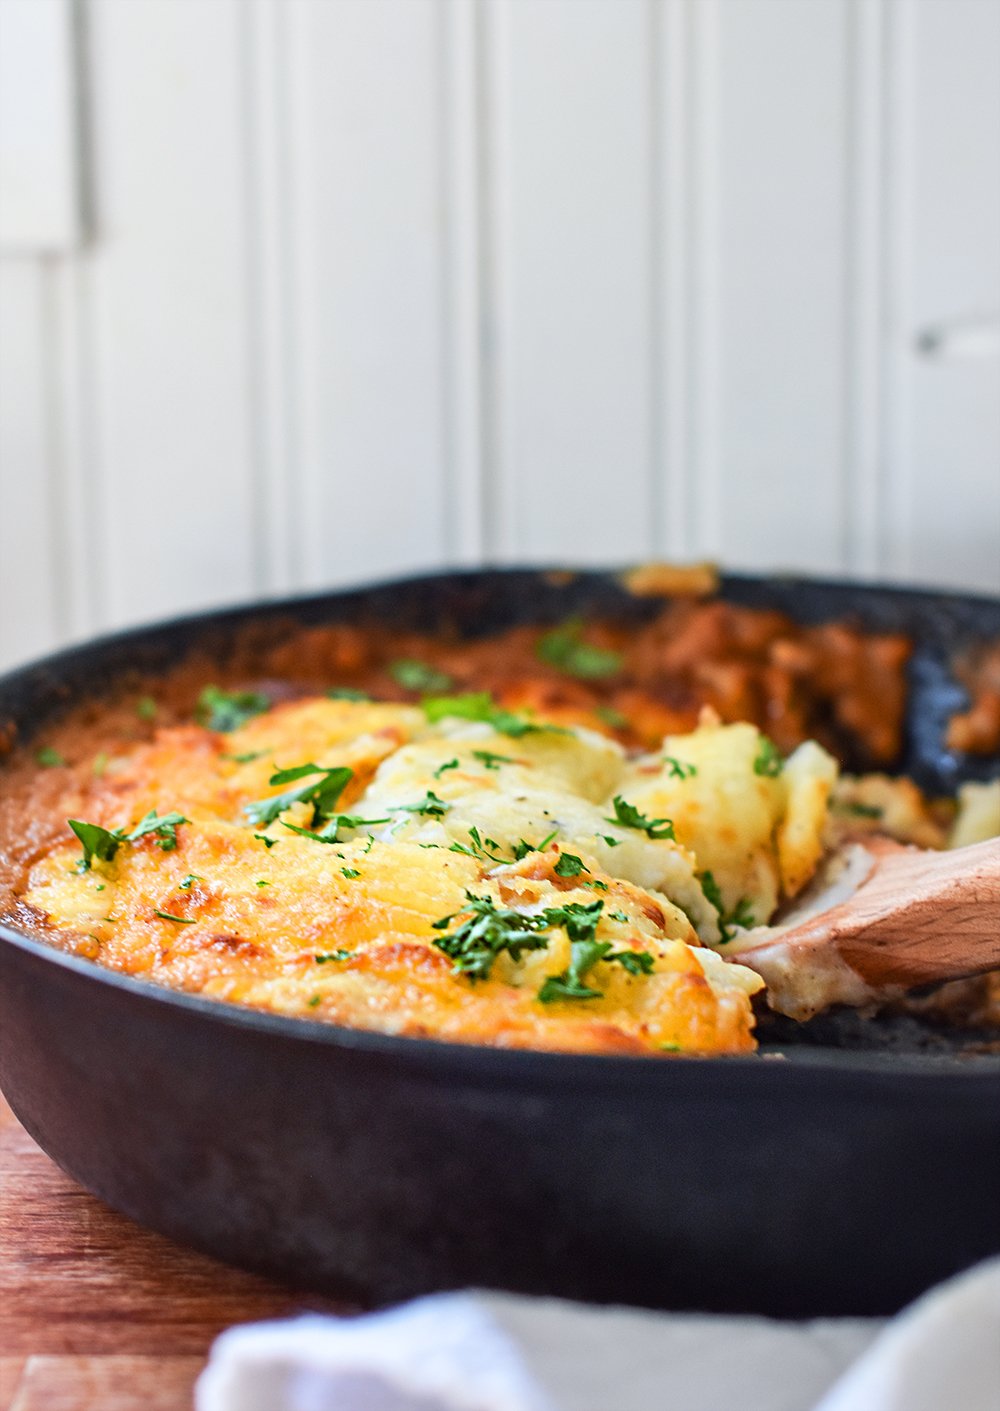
{"x":96,"y":1312}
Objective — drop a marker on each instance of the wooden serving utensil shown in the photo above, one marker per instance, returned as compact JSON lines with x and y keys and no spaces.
{"x":880,"y":919}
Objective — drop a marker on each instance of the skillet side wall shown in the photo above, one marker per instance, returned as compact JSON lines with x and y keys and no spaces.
{"x":380,"y":1168}
{"x":735,"y":1185}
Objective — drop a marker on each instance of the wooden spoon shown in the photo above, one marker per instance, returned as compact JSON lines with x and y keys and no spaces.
{"x":880,"y":919}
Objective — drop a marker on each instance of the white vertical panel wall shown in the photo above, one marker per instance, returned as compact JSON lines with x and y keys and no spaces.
{"x":359,"y":286}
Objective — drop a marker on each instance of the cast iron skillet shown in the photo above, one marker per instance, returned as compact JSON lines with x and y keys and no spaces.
{"x":823,"y":1181}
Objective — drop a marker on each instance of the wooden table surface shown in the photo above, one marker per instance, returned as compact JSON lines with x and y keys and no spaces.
{"x":97,"y":1314}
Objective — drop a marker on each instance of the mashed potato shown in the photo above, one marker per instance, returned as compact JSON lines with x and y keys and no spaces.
{"x":496,"y":879}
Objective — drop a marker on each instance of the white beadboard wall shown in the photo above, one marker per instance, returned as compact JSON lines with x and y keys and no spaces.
{"x":353,"y":287}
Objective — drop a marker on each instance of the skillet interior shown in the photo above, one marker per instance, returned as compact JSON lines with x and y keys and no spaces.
{"x":478,"y":603}
{"x":699,"y":1183}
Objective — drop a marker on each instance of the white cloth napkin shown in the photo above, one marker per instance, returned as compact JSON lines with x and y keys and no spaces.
{"x":500,"y":1352}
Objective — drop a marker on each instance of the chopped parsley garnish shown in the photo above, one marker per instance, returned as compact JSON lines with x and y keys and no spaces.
{"x":629,"y":816}
{"x":443,"y":768}
{"x":577,"y":917}
{"x":565,"y":649}
{"x":768,"y":762}
{"x":322,"y":793}
{"x":596,"y":884}
{"x":247,"y":758}
{"x":350,"y":873}
{"x":619,"y":916}
{"x":569,"y":865}
{"x":419,"y":676}
{"x":332,"y":955}
{"x":164,"y":829}
{"x":679,"y":768}
{"x":612,"y":717}
{"x":177,"y":920}
{"x":487,"y":932}
{"x":227,"y":710}
{"x":741,"y":914}
{"x":330,"y":832}
{"x":99,"y":765}
{"x":145,"y":708}
{"x":430,"y":805}
{"x":103,"y":843}
{"x":479,"y":849}
{"x":859,"y":810}
{"x":584,"y":955}
{"x":192,"y":877}
{"x":347,"y":693}
{"x":491,"y":760}
{"x":480,"y":705}
{"x":48,"y":758}
{"x":100,"y":843}
{"x":522,"y":848}
{"x":263,"y":883}
{"x":314,"y":1001}
{"x":263,"y":838}
{"x":607,"y":838}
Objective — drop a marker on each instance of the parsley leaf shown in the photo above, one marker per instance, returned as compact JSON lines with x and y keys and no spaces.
{"x":584,"y":955}
{"x":98,"y":842}
{"x":612,"y":717}
{"x":322,"y":793}
{"x":247,"y":758}
{"x":103,"y":843}
{"x":479,"y":705}
{"x":679,"y":768}
{"x":569,"y":865}
{"x":350,"y":873}
{"x":629,"y":817}
{"x":165,"y":828}
{"x":347,"y":693}
{"x":522,"y":848}
{"x":169,"y":916}
{"x":332,"y":955}
{"x":491,"y":760}
{"x":224,"y":711}
{"x":189,"y":880}
{"x":418,"y":676}
{"x":487,"y":932}
{"x":330,"y":832}
{"x":741,"y":914}
{"x":430,"y":805}
{"x":579,"y":919}
{"x":48,"y":758}
{"x":859,"y":810}
{"x":443,"y":768}
{"x":565,"y":649}
{"x":145,"y":708}
{"x":768,"y":762}
{"x":479,"y":850}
